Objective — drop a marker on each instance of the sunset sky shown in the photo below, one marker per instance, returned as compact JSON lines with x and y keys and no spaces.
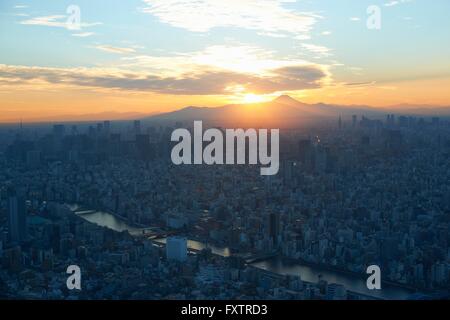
{"x":159,"y":55}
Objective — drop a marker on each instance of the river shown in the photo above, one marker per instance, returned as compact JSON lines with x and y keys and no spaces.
{"x":276,"y":265}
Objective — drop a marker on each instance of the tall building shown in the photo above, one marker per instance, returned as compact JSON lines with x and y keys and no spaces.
{"x":137,"y":127}
{"x":100,"y":128}
{"x":107,"y":127}
{"x":16,"y":216}
{"x":320,"y":159}
{"x":354,"y":120}
{"x":274,"y":226}
{"x":74,"y":130}
{"x":176,"y":249}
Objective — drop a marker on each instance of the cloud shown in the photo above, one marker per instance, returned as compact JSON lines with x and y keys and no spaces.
{"x":320,"y":50}
{"x":206,"y":82}
{"x":240,"y":59}
{"x":112,"y":49}
{"x":83,"y":34}
{"x":395,"y":2}
{"x":58,"y":21}
{"x":360,"y":84}
{"x":269,"y":16}
{"x":216,"y":70}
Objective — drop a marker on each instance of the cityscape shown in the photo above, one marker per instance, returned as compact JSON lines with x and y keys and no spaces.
{"x":251,"y":150}
{"x":106,"y":197}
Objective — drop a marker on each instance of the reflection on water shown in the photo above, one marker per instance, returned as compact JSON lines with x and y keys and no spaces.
{"x":104,"y":219}
{"x":311,"y":274}
{"x":196,"y":245}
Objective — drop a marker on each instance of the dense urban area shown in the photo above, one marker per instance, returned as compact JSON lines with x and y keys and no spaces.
{"x":349,"y":194}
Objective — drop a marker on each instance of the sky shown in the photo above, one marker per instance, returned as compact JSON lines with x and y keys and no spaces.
{"x":63,"y":58}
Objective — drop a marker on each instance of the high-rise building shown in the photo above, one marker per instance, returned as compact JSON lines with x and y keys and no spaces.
{"x":176,"y":248}
{"x":320,"y":159}
{"x":137,"y":127}
{"x":74,"y":131}
{"x":99,"y":128}
{"x":107,"y":127}
{"x":16,"y":216}
{"x":274,"y":226}
{"x":390,"y":120}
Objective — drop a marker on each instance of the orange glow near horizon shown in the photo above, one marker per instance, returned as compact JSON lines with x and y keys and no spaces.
{"x":63,"y":103}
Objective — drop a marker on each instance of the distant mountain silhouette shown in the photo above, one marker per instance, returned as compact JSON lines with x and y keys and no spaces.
{"x":284,"y":111}
{"x":287,"y":100}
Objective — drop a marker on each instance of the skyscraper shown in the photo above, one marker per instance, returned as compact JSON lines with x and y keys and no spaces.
{"x":137,"y":127}
{"x":354,"y":121}
{"x":274,"y":226}
{"x":16,"y":216}
{"x":107,"y":127}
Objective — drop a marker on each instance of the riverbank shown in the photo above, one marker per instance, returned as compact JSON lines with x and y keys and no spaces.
{"x":80,"y":209}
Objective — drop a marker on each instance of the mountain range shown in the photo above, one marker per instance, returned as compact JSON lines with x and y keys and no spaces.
{"x":284,"y":111}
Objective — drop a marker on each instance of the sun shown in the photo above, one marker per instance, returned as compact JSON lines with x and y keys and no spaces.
{"x":252,"y":98}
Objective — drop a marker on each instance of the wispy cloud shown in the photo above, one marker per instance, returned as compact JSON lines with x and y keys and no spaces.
{"x":83,"y":34}
{"x":112,"y":49}
{"x":269,"y":16}
{"x":58,"y":21}
{"x":320,"y":50}
{"x":393,"y":3}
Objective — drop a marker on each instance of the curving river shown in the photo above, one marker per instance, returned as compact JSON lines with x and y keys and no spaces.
{"x":276,"y":265}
